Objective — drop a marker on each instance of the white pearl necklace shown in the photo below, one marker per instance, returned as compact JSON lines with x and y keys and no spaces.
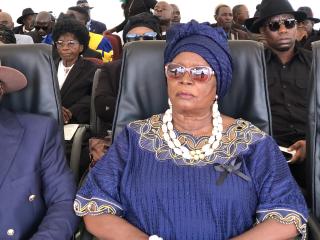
{"x":199,"y":154}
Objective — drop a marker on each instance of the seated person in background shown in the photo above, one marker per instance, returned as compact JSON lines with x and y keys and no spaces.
{"x":26,"y":20}
{"x":97,"y":42}
{"x":240,"y":15}
{"x":43,"y":28}
{"x":176,"y":15}
{"x":92,"y":25}
{"x":6,"y":35}
{"x":192,"y":173}
{"x":164,"y":12}
{"x":143,"y":26}
{"x":36,"y":185}
{"x":6,"y":19}
{"x":223,"y":16}
{"x":132,"y":8}
{"x":307,"y":25}
{"x":75,"y":75}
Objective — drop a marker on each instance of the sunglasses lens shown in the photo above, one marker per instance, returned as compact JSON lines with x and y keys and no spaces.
{"x":200,"y":74}
{"x":174,"y":71}
{"x":131,"y":37}
{"x":289,"y":23}
{"x":274,"y":26}
{"x":150,"y":36}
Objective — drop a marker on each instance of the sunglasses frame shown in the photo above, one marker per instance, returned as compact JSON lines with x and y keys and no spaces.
{"x":130,"y":37}
{"x":189,"y":70}
{"x":274,"y":26}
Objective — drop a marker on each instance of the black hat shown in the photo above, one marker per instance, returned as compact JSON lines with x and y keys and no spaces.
{"x":270,"y":8}
{"x":249,"y":21}
{"x":25,"y":12}
{"x":308,"y":11}
{"x":84,"y":4}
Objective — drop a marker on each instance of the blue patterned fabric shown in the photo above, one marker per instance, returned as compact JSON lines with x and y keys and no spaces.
{"x":210,"y":43}
{"x":142,"y":180}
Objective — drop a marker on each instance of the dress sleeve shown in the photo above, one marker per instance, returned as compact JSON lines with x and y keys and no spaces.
{"x":100,"y":192}
{"x":279,"y":196}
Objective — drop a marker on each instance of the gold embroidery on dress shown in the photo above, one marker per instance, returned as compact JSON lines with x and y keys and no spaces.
{"x":235,"y":140}
{"x":92,"y":208}
{"x":291,"y":218}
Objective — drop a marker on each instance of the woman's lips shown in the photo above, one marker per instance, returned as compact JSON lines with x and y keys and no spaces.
{"x":184,"y":95}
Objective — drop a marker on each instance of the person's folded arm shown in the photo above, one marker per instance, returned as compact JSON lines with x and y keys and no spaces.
{"x":269,"y":230}
{"x":109,"y":227}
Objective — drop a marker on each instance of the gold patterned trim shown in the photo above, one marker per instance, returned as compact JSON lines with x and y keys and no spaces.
{"x":235,"y":139}
{"x":94,"y":206}
{"x":292,"y":217}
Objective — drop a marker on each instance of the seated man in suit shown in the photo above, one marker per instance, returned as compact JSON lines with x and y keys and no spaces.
{"x":92,"y":25}
{"x":36,"y":186}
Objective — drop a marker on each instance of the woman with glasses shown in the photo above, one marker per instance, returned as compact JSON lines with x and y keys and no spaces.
{"x":75,"y":74}
{"x":143,"y":26}
{"x":191,"y":172}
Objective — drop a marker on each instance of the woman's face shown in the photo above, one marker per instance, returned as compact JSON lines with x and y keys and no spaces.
{"x":69,"y":47}
{"x":189,"y":96}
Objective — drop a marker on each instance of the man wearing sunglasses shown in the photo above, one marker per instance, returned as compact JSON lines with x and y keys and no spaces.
{"x":288,"y":71}
{"x":43,"y":28}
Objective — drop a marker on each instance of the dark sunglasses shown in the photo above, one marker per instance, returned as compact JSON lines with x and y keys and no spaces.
{"x":44,"y":28}
{"x":197,"y":73}
{"x":275,"y":25}
{"x":146,"y":36}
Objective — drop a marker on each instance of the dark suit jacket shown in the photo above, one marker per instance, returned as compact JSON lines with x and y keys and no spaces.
{"x":76,"y":90}
{"x":107,"y":90}
{"x":35,"y":36}
{"x":97,"y":27}
{"x":18,"y":30}
{"x":37,"y":188}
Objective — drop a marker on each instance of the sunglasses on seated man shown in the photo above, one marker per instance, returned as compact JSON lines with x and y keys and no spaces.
{"x":275,"y":25}
{"x":146,"y":36}
{"x":44,"y":28}
{"x":197,"y":73}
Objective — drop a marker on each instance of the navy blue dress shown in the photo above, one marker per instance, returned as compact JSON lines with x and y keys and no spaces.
{"x":244,"y":182}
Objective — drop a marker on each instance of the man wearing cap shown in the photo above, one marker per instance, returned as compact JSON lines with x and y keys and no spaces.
{"x":92,"y":25}
{"x":26,"y":20}
{"x":288,"y":71}
{"x":307,"y":26}
{"x":36,"y":185}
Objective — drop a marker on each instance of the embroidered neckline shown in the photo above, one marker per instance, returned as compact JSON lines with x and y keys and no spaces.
{"x":235,"y":139}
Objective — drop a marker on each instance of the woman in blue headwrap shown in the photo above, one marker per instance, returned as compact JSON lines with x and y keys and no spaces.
{"x":192,"y":173}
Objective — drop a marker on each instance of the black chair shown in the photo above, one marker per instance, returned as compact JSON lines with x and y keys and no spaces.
{"x":42,"y":95}
{"x":313,"y":146}
{"x":143,"y":90}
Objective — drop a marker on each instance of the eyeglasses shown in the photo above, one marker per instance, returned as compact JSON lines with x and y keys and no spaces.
{"x":275,"y":25}
{"x":146,"y":36}
{"x":197,"y":73}
{"x":44,"y":28}
{"x":69,"y":43}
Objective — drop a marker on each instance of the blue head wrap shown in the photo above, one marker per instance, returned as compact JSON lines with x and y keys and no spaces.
{"x":210,"y":43}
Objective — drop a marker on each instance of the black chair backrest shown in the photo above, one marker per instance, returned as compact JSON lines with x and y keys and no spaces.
{"x":143,"y":90}
{"x":97,"y":126}
{"x":42,"y":95}
{"x":313,"y":136}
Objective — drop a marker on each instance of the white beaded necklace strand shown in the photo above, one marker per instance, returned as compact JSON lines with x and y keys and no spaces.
{"x":199,"y":154}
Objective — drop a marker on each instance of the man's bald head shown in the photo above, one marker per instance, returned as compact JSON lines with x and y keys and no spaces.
{"x":43,"y":23}
{"x":6,"y":19}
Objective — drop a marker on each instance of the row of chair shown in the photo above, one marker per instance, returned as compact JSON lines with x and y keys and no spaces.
{"x":143,"y":93}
